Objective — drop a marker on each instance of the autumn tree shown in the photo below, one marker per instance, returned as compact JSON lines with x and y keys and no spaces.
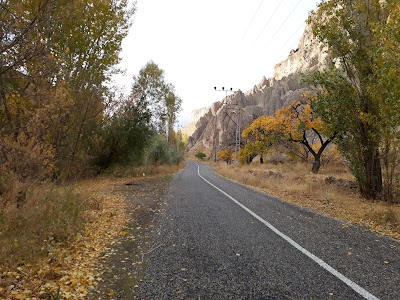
{"x":259,"y":137}
{"x":297,"y":123}
{"x":358,"y":95}
{"x":226,"y":155}
{"x":56,"y":58}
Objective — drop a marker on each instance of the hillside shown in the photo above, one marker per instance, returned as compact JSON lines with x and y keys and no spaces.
{"x":215,"y":126}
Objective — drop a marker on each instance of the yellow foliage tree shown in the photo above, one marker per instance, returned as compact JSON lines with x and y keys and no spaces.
{"x":225,"y":155}
{"x":298,"y":124}
{"x":295,"y":124}
{"x":260,"y":137}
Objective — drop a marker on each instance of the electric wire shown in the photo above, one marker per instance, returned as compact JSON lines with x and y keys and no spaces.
{"x":251,"y":22}
{"x":296,"y":43}
{"x":278,"y":53}
{"x":276,"y":32}
{"x":301,"y":25}
{"x":269,"y":20}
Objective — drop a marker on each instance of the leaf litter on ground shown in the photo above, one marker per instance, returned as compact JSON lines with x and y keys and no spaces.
{"x":68,"y":271}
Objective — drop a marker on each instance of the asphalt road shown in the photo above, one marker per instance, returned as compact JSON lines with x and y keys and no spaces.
{"x":221,"y":240}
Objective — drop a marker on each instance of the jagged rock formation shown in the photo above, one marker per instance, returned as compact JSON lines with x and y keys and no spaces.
{"x":196,"y":114}
{"x":216,"y":126}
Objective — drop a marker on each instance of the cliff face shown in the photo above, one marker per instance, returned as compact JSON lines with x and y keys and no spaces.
{"x":309,"y":56}
{"x":195,"y":117}
{"x":216,"y":127}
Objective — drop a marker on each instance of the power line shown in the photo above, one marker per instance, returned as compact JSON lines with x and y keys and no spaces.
{"x":251,"y":22}
{"x":296,"y":43}
{"x":269,"y":20}
{"x":301,"y":25}
{"x":286,"y":19}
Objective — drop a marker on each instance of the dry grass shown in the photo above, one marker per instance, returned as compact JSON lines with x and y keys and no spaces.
{"x":149,"y":170}
{"x":52,"y":235}
{"x":65,"y":251}
{"x":35,"y":217}
{"x":331,"y":192}
{"x":39,"y":217}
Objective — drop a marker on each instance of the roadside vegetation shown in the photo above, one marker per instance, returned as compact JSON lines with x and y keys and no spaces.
{"x":62,"y":124}
{"x":337,"y":149}
{"x":333,"y":191}
{"x":352,"y":105}
{"x":200,"y":155}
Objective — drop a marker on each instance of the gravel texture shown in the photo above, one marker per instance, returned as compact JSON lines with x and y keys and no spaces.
{"x":206,"y":247}
{"x":123,"y":265}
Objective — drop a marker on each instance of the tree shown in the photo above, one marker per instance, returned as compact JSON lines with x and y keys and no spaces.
{"x":357,"y":95}
{"x":173,"y":105}
{"x":125,"y":136}
{"x":259,"y":137}
{"x":141,"y":130}
{"x":298,"y":124}
{"x":152,"y":91}
{"x":86,"y":47}
{"x":56,"y":59}
{"x":159,"y":151}
{"x":226,"y":155}
{"x":387,"y":92}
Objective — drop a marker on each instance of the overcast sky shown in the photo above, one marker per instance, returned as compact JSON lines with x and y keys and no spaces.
{"x":205,"y":43}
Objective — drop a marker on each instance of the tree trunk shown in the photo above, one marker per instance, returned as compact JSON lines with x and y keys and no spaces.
{"x":316,"y":164}
{"x":371,"y":184}
{"x":250,"y":158}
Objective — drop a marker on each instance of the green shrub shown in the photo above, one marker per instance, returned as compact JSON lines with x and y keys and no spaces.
{"x":200,"y":155}
{"x":160,"y":152}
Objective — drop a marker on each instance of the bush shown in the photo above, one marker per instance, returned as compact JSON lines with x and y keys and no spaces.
{"x":200,"y":155}
{"x":160,"y":152}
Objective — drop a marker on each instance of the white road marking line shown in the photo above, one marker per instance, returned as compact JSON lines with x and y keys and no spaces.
{"x":361,"y":291}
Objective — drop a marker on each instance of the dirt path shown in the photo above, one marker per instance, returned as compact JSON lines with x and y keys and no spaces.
{"x":122,"y":266}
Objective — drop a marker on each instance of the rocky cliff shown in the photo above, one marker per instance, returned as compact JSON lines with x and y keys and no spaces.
{"x":217,"y":126}
{"x":196,"y":114}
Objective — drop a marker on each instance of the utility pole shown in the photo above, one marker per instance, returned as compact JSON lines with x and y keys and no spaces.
{"x":237,"y":136}
{"x":224,"y":90}
{"x":237,"y":133}
{"x":215,"y":139}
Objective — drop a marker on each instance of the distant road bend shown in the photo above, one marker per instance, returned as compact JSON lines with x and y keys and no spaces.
{"x":222,"y":240}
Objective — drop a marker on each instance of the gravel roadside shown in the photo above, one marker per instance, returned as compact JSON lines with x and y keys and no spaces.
{"x":122,"y":267}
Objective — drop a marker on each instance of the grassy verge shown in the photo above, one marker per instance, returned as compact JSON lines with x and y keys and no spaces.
{"x":48,"y":215}
{"x":149,"y":170}
{"x":51,"y":241}
{"x":332,"y":192}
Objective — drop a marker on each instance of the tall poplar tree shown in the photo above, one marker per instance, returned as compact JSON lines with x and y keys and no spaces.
{"x":348,"y":95}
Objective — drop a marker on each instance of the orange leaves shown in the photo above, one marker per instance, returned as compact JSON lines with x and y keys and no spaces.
{"x":295,"y":119}
{"x":68,"y":271}
{"x":295,"y":123}
{"x":225,"y":155}
{"x":258,"y":128}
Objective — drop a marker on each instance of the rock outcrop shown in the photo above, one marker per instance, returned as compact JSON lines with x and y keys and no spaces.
{"x":196,"y":114}
{"x":218,"y":125}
